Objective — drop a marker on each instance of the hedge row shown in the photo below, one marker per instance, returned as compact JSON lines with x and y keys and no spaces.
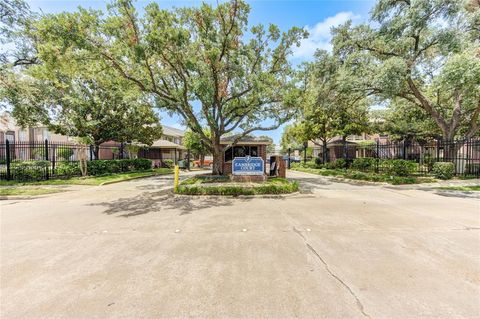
{"x":36,"y":170}
{"x":396,"y":167}
{"x":235,"y":190}
{"x":102,"y":167}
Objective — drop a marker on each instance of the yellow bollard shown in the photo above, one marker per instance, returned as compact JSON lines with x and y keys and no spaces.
{"x":176,"y":172}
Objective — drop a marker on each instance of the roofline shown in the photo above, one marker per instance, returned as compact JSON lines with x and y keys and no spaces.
{"x":246,"y":143}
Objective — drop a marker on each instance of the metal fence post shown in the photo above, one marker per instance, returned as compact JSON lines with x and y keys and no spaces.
{"x":404,"y":150}
{"x":289,"y":152}
{"x":438,"y":150}
{"x":305,"y":145}
{"x":46,"y":158}
{"x":120,"y":155}
{"x":54,"y":158}
{"x":7,"y":149}
{"x":377,"y":155}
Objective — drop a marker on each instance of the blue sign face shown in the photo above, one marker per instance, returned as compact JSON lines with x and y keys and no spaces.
{"x":247,"y":166}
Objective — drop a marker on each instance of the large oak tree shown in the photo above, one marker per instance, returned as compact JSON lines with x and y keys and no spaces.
{"x":426,"y":52}
{"x":203,"y":63}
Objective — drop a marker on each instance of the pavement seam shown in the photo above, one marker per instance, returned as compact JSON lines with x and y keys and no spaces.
{"x":332,"y":274}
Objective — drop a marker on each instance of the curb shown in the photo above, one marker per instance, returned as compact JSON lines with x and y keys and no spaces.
{"x":129,"y":179}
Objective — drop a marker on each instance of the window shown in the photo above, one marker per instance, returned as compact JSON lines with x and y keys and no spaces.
{"x":240,"y":151}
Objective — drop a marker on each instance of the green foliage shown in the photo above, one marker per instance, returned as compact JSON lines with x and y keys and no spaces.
{"x":339,"y":163}
{"x":100,"y":167}
{"x":29,"y":170}
{"x":364,"y":164}
{"x":196,"y":144}
{"x":398,"y":167}
{"x":64,"y":152}
{"x":472,"y":169}
{"x":443,"y":170}
{"x":365,"y":176}
{"x":397,"y":58}
{"x":184,"y":56}
{"x":429,"y":161}
{"x":329,"y":107}
{"x":168,"y":163}
{"x":271,"y":186}
{"x":66,"y":168}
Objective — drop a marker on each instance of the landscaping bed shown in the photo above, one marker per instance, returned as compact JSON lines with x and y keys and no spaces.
{"x":222,"y":186}
{"x":468,"y":188}
{"x":399,"y":175}
{"x":94,"y":180}
{"x":28,"y":191}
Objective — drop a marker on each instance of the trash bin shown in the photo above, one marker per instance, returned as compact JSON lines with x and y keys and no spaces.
{"x":182,"y":164}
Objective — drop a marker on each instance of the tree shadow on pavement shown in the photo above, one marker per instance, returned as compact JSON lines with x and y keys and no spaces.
{"x":453,"y":193}
{"x":150,"y":202}
{"x":309,"y":184}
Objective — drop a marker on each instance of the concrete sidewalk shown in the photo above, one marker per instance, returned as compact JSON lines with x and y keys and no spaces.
{"x":335,"y":250}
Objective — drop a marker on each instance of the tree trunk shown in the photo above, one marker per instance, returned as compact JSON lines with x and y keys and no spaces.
{"x":96,"y":151}
{"x":325,"y":152}
{"x":202,"y":160}
{"x":217,"y":168}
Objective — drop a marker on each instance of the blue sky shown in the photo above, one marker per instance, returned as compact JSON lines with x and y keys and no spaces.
{"x":318,"y":16}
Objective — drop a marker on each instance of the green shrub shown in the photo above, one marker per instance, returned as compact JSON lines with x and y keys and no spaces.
{"x":68,"y":169}
{"x":364,"y":164}
{"x":472,"y":169}
{"x":272,"y":186}
{"x":399,"y":167}
{"x":141,"y":164}
{"x":168,"y":163}
{"x":310,"y":164}
{"x":337,"y":164}
{"x":102,"y":167}
{"x":29,"y":170}
{"x":429,"y":161}
{"x":64,"y":152}
{"x":443,"y":170}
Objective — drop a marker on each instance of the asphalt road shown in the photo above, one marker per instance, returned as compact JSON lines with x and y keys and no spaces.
{"x":336,"y":250}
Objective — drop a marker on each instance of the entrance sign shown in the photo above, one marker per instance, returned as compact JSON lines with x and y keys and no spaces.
{"x":247,"y":166}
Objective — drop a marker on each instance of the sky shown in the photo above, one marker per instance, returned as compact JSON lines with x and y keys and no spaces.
{"x":317,"y":16}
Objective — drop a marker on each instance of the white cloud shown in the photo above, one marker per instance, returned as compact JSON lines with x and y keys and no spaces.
{"x":320,"y":35}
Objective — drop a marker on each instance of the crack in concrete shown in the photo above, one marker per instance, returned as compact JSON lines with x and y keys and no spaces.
{"x":331,"y":273}
{"x":467,"y":228}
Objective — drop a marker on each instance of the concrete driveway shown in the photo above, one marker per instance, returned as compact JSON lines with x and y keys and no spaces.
{"x":336,"y":250}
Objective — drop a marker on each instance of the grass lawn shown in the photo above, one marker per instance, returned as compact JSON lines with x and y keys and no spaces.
{"x":198,"y":186}
{"x":27,"y":191}
{"x":371,"y":177}
{"x":93,"y":180}
{"x":475,"y":188}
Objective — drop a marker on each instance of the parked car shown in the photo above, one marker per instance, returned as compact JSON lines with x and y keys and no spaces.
{"x":208,"y":161}
{"x":293,"y":159}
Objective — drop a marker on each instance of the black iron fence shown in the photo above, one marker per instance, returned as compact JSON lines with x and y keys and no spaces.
{"x":42,"y":160}
{"x":464,"y":154}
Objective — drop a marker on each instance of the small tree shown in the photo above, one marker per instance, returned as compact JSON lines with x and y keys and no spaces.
{"x":198,"y":148}
{"x":330,"y":107}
